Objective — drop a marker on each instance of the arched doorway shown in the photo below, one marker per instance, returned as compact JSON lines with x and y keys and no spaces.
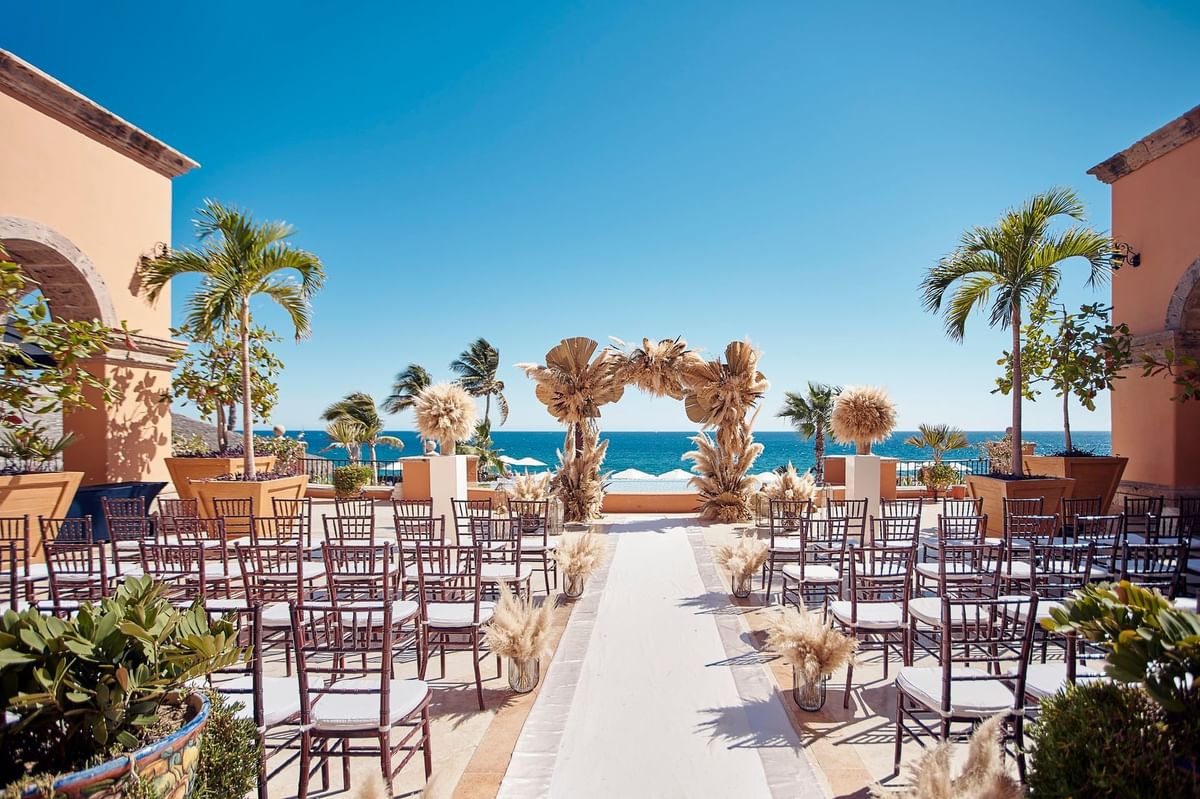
{"x":115,"y":441}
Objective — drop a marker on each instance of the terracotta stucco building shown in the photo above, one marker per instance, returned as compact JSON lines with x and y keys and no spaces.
{"x":1156,"y":211}
{"x":84,"y":195}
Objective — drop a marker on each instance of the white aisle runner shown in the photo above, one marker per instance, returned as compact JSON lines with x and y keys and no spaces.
{"x":656,"y":692}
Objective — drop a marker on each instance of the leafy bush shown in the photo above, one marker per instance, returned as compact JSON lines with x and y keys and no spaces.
{"x":1104,"y":739}
{"x":229,"y":753}
{"x":30,"y":449}
{"x":938,"y":477}
{"x":79,"y":690}
{"x":287,"y":452}
{"x":348,"y":481}
{"x":1148,"y":641}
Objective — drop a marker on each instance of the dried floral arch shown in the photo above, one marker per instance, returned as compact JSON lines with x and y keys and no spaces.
{"x":579,"y":377}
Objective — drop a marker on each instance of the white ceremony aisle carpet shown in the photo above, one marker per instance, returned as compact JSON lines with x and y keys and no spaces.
{"x":655,"y":690}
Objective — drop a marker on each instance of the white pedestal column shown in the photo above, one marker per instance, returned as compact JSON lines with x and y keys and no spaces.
{"x":862,"y":482}
{"x":447,"y":482}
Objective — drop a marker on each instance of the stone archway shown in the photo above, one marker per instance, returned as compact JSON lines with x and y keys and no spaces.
{"x":67,"y":278}
{"x":1183,"y":309}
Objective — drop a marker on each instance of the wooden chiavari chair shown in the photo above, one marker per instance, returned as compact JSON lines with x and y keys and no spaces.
{"x":820,"y":569}
{"x":850,"y":516}
{"x":532,"y":520}
{"x":15,"y":530}
{"x":237,"y":514}
{"x":453,"y":611}
{"x":784,"y":518}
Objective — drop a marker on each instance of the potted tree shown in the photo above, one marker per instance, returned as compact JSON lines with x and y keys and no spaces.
{"x":42,"y":363}
{"x":209,"y":378}
{"x":1003,"y":269}
{"x":938,"y":439}
{"x":238,"y":260}
{"x":1078,"y":355}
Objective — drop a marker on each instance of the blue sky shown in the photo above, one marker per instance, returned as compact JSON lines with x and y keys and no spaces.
{"x":525,"y":172}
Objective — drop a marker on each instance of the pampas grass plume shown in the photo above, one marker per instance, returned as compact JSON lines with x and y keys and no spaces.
{"x":983,"y":776}
{"x":445,"y":412}
{"x":811,"y":645}
{"x":519,"y":629}
{"x":745,"y":555}
{"x":579,"y":554}
{"x":862,"y":415}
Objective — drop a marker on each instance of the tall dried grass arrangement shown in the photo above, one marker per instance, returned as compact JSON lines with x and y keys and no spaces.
{"x":791,"y":485}
{"x":578,"y":484}
{"x":529,"y":487}
{"x":519,"y":629}
{"x":579,"y":554}
{"x":744,"y":556}
{"x":657,"y":366}
{"x":445,"y":412}
{"x":809,"y":644}
{"x":862,"y":415}
{"x":722,"y":478}
{"x":983,"y":776}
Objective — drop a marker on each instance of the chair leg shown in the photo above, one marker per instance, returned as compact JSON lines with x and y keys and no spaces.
{"x":305,"y":765}
{"x":425,"y":743}
{"x":385,"y":761}
{"x":770,"y":577}
{"x":478,"y":674}
{"x":1019,"y":745}
{"x":345,"y":764}
{"x":849,"y":678}
{"x":885,"y":655}
{"x":899,"y":734}
{"x":546,"y":572}
{"x":262,"y":767}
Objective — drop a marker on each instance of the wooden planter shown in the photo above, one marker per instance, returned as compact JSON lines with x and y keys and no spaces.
{"x":185,"y":470}
{"x":259,"y":492}
{"x":995,"y":489}
{"x":1096,"y":476}
{"x":46,"y":494}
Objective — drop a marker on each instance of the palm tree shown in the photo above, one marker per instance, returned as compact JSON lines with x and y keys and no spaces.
{"x":347,"y":434}
{"x":476,"y":369}
{"x":407,"y":385}
{"x":360,"y":407}
{"x":239,"y":259}
{"x":938,"y":439}
{"x":809,"y":413}
{"x":1009,"y":265}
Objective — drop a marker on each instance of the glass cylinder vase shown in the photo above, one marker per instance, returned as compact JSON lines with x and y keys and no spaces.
{"x":808,"y":695}
{"x":741,"y":584}
{"x":523,"y":675}
{"x":573,"y":585}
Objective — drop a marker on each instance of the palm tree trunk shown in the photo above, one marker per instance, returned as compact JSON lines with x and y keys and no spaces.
{"x":1067,"y":421}
{"x":487,"y":409}
{"x":819,"y":453}
{"x":374,"y":464}
{"x":1018,"y":386}
{"x":247,"y":431}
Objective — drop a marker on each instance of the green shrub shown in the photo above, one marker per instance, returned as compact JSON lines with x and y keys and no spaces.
{"x":348,"y":481}
{"x":229,"y":753}
{"x":938,"y":477}
{"x":83,"y":689}
{"x":1105,"y":739}
{"x":287,"y":452}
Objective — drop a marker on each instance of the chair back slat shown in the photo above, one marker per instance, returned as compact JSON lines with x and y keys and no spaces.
{"x":272,"y":572}
{"x":901,"y":508}
{"x":786,"y":516}
{"x":354,"y":506}
{"x":533,"y":516}
{"x":1157,"y":566}
{"x":969,"y":506}
{"x":71,"y":530}
{"x":895,"y":530}
{"x":360,"y":573}
{"x":78,"y":570}
{"x":349,"y":529}
{"x":449,"y":575}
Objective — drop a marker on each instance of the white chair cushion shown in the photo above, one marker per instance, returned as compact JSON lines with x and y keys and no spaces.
{"x":37,"y":571}
{"x":348,"y":712}
{"x":928,"y":610}
{"x":457,"y":614}
{"x":954,"y":571}
{"x":281,"y":697}
{"x":277,"y":615}
{"x":1190,"y":604}
{"x":1044,"y":680}
{"x":1043,"y":611}
{"x":871,"y":615}
{"x":226,"y":605}
{"x":534,"y":544}
{"x":813,"y":573}
{"x":977,"y":698}
{"x":402,"y":610}
{"x":786,"y":545}
{"x":501,"y":573}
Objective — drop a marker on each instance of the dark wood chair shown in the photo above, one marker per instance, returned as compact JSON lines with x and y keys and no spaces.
{"x":453,"y":611}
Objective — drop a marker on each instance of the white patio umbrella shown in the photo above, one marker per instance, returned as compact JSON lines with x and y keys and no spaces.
{"x":632,"y":474}
{"x":508,"y":460}
{"x":529,"y":462}
{"x":766,"y":477}
{"x":675,"y":474}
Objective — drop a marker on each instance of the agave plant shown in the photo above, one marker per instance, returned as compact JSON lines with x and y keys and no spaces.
{"x":657,"y":366}
{"x":573,"y":386}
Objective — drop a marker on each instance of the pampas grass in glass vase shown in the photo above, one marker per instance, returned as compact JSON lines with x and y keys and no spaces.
{"x":983,"y":776}
{"x":813,"y":649}
{"x":743,"y":558}
{"x":520,"y":632}
{"x":578,"y":555}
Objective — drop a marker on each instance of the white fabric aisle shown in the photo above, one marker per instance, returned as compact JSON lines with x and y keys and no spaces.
{"x":654,"y":706}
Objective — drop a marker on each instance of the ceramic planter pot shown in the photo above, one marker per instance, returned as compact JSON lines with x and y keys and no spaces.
{"x":169,"y":765}
{"x":523,"y":675}
{"x":259,"y":492}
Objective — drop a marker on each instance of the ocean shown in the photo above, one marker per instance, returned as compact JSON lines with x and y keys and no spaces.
{"x":658,"y":452}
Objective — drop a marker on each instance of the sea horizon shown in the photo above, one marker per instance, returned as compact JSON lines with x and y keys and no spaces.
{"x":658,"y":451}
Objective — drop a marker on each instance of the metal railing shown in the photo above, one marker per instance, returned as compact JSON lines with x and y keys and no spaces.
{"x":320,"y":470}
{"x":908,"y":472}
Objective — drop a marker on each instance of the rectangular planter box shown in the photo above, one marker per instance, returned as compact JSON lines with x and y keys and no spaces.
{"x":994,"y":490}
{"x":260,"y":493}
{"x":46,"y":494}
{"x":1094,"y":476}
{"x":184,"y":470}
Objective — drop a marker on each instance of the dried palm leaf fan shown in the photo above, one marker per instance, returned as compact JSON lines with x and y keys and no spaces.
{"x":657,"y":366}
{"x":573,"y":386}
{"x":445,"y":412}
{"x":862,"y":415}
